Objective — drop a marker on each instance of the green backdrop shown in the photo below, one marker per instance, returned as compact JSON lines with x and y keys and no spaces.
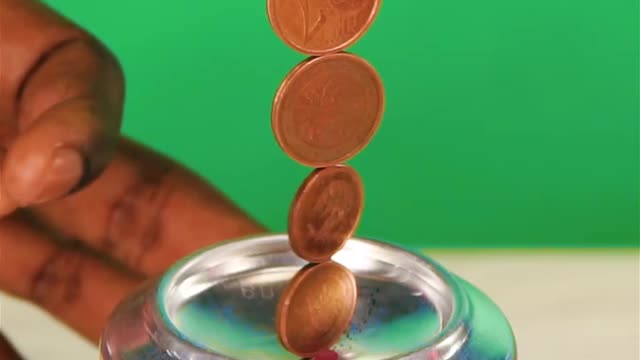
{"x":508,"y":123}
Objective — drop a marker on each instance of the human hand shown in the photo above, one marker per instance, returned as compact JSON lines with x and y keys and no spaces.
{"x":77,"y":255}
{"x":144,"y":212}
{"x":61,"y":96}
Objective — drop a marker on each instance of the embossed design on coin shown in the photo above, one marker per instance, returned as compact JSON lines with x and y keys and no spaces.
{"x":316,"y":308}
{"x":328,"y":109}
{"x":317,"y":27}
{"x":325,"y":212}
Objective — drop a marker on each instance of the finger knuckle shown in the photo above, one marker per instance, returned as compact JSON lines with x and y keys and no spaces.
{"x":135,"y":219}
{"x":58,"y":282}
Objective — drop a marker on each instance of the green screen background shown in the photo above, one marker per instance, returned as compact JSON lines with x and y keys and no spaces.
{"x":508,"y":123}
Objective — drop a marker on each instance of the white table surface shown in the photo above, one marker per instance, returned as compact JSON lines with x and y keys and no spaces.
{"x":583,"y":306}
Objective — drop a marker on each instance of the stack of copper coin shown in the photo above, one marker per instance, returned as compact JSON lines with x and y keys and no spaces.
{"x":326,"y":111}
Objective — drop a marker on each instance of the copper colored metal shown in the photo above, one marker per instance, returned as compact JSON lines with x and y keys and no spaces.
{"x":316,"y":308}
{"x":318,"y":27}
{"x":325,"y":212}
{"x":326,"y":355}
{"x":327,"y":109}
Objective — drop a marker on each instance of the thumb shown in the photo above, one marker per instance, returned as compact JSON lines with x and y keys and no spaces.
{"x":70,"y":114}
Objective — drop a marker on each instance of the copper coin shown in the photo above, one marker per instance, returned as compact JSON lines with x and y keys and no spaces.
{"x":326,"y":355}
{"x":328,"y":109}
{"x":325,"y":212}
{"x":316,"y":308}
{"x":318,"y":27}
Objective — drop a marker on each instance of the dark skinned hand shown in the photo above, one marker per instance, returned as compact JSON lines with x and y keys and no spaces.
{"x":85,"y":214}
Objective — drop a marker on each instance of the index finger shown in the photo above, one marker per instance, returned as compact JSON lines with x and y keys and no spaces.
{"x":147,"y":211}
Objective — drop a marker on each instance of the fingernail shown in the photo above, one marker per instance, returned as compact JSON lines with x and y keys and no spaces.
{"x":63,"y":173}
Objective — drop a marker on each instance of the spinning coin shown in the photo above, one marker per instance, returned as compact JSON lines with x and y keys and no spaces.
{"x":316,"y":308}
{"x":317,"y":27}
{"x":325,"y":212}
{"x":327,"y":109}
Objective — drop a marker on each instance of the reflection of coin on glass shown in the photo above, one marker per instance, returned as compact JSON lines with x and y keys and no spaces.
{"x":316,"y":308}
{"x":326,"y":355}
{"x":325,"y":212}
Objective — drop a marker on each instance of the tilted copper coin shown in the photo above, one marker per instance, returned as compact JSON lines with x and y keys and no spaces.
{"x":316,"y":308}
{"x":325,"y":212}
{"x":328,"y":109}
{"x":317,"y":27}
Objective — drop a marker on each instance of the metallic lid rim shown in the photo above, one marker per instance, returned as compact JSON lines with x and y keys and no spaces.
{"x":450,"y":338}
